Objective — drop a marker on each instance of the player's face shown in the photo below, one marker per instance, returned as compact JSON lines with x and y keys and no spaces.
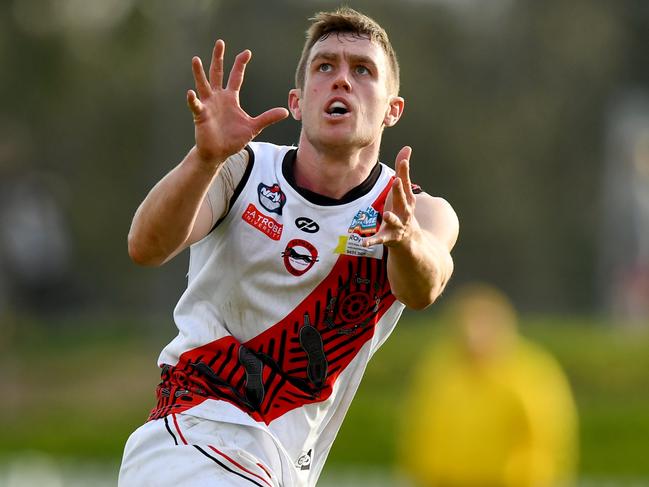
{"x":347,"y":98}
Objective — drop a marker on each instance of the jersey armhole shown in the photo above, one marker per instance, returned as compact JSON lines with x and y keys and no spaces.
{"x":240,"y":186}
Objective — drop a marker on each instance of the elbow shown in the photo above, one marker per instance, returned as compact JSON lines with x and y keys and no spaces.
{"x":140,"y":254}
{"x":421,"y":298}
{"x":417,"y":303}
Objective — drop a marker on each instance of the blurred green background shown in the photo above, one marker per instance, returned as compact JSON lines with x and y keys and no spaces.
{"x":531,"y":117}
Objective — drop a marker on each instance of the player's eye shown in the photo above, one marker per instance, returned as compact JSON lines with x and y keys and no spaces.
{"x":325,"y":67}
{"x":362,"y":70}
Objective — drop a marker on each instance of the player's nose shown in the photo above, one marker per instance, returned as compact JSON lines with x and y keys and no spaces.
{"x":341,"y":80}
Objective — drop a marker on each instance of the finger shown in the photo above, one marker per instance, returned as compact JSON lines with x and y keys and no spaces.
{"x":403,"y":172}
{"x":399,"y":198}
{"x":404,"y":154}
{"x":377,"y":239}
{"x":216,"y":66}
{"x":385,"y":234}
{"x":202,"y":86}
{"x":269,"y":117}
{"x":391,"y":221}
{"x":238,"y":69}
{"x":194,"y":104}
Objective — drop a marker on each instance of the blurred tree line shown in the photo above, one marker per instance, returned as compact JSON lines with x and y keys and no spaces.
{"x":506,"y":109}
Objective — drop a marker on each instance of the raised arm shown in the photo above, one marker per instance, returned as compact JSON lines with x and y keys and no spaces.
{"x":176,"y":212}
{"x":420,"y":232}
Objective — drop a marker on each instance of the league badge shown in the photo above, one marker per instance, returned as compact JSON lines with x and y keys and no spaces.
{"x":271,"y":197}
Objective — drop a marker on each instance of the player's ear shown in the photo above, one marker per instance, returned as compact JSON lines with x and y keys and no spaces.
{"x":394,"y":111}
{"x":294,"y":103}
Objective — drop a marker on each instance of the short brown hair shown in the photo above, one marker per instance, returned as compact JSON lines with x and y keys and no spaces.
{"x":346,"y":20}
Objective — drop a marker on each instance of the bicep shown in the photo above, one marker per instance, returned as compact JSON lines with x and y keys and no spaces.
{"x":203,"y":223}
{"x":200,"y":229}
{"x":216,"y":203}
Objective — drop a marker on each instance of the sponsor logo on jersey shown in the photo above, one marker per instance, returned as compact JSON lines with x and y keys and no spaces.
{"x":306,"y":224}
{"x":263,"y":223}
{"x":352,"y":244}
{"x":299,"y":256}
{"x":365,"y":222}
{"x":304,"y":460}
{"x":271,"y":197}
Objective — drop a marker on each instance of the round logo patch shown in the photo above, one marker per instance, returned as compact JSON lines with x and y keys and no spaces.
{"x":299,"y":256}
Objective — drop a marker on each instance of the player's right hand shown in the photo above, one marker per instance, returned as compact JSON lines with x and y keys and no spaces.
{"x":221,"y":127}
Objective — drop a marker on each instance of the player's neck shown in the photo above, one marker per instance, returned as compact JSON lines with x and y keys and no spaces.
{"x":333,"y":173}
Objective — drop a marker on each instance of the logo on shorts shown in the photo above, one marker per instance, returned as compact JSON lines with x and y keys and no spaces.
{"x":365,"y":222}
{"x":299,"y":256}
{"x":306,"y":224}
{"x":263,"y":223}
{"x":304,"y":461}
{"x":271,"y":197}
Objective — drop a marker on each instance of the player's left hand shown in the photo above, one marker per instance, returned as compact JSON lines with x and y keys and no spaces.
{"x":398,"y":217}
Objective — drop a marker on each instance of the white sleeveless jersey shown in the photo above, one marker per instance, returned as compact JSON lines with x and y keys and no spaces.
{"x":282,"y":312}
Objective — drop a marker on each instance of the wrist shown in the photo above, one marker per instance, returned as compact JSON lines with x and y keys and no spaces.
{"x":204,"y":161}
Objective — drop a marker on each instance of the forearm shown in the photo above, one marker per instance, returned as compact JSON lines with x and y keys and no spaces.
{"x":165,"y":219}
{"x":418,"y":270}
{"x":174,"y":214}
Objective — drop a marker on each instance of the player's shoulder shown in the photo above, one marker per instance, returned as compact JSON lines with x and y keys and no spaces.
{"x":268,"y":148}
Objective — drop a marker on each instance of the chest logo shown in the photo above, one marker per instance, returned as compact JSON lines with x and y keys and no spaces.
{"x":299,"y":256}
{"x":306,"y":224}
{"x":365,"y":222}
{"x":263,"y":223}
{"x":271,"y":197}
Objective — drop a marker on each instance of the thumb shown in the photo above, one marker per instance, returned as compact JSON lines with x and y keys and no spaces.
{"x":269,"y":117}
{"x":194,"y":104}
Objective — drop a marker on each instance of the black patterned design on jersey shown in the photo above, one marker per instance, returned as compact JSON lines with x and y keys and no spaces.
{"x":293,"y":363}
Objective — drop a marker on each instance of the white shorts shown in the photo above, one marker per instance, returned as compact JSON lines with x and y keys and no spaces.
{"x":185,"y":451}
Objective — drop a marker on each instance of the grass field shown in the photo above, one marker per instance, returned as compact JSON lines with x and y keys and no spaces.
{"x":74,"y":389}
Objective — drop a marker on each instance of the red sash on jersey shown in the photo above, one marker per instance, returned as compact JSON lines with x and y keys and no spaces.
{"x":295,"y":361}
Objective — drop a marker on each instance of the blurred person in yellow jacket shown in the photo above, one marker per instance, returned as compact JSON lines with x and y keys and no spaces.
{"x":486,"y":407}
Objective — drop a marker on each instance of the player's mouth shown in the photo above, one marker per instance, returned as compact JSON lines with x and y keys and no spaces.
{"x":337,"y":108}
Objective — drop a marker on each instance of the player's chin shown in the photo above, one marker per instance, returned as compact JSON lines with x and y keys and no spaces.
{"x":347,"y":137}
{"x":338,"y":130}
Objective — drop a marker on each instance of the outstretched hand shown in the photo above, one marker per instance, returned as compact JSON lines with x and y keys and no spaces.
{"x":398,"y":217}
{"x":222,"y":127}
